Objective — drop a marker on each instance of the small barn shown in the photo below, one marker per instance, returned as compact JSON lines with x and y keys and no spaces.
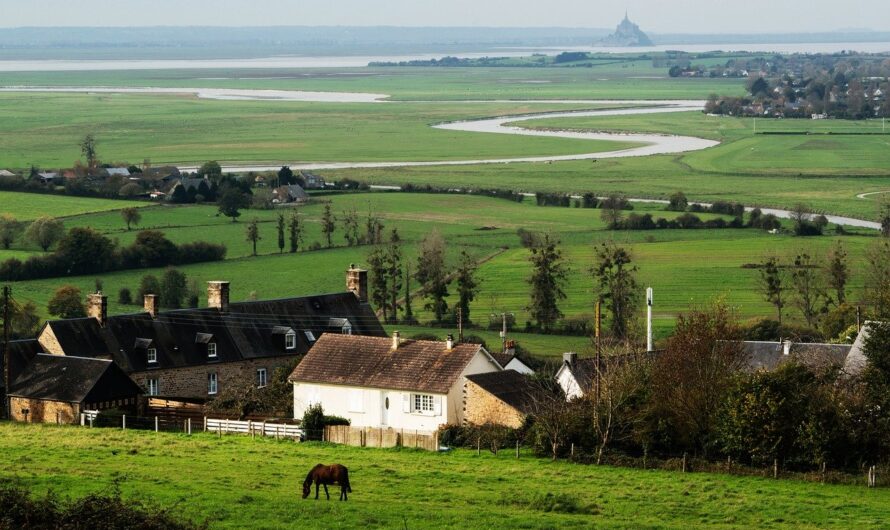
{"x":57,"y":388}
{"x":500,"y":398}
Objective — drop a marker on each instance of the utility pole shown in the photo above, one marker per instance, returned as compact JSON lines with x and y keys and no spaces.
{"x":460,"y":325}
{"x":7,"y":301}
{"x":649,"y":299}
{"x":503,"y":329}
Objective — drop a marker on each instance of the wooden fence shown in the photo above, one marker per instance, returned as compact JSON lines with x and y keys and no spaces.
{"x":253,"y":428}
{"x":381,"y":437}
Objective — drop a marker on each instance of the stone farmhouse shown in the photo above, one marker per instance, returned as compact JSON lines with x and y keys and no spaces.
{"x":389,"y":383}
{"x":504,"y":398}
{"x":192,"y":354}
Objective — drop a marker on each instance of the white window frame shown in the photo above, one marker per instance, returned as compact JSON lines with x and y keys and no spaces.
{"x":423,"y":403}
{"x":153,"y":386}
{"x":262,"y":377}
{"x":211,"y":349}
{"x":152,"y":355}
{"x":347,"y":329}
{"x":212,"y":383}
{"x":290,"y":340}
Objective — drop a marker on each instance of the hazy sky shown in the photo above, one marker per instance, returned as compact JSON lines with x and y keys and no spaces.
{"x":663,"y":16}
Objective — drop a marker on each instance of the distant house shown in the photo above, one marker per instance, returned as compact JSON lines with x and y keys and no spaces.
{"x":383,"y":382}
{"x":509,"y":361}
{"x":47,"y":177}
{"x":576,"y":376}
{"x":501,"y":398}
{"x":195,"y":353}
{"x":56,"y":389}
{"x":117,"y":172}
{"x":6,"y":173}
{"x":291,"y":193}
{"x":767,"y":355}
{"x":312,"y":181}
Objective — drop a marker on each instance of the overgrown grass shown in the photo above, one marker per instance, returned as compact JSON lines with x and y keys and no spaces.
{"x":237,"y":482}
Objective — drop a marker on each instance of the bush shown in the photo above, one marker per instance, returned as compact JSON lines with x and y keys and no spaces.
{"x":314,"y":422}
{"x":124,"y":296}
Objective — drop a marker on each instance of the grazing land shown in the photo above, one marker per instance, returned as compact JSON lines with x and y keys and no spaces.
{"x":685,"y":267}
{"x":236,"y":482}
{"x":29,"y":206}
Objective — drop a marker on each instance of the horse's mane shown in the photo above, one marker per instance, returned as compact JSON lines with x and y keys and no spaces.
{"x":309,"y":475}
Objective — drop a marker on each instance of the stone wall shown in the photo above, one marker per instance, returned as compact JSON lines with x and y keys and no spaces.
{"x":40,"y":411}
{"x":481,"y":407}
{"x":49,"y":342}
{"x":191,"y":382}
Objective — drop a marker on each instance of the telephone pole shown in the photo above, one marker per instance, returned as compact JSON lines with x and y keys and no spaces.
{"x":7,"y":301}
{"x":503,"y":329}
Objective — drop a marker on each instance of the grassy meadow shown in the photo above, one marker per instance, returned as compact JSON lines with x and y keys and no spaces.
{"x":236,"y":482}
{"x":685,"y":267}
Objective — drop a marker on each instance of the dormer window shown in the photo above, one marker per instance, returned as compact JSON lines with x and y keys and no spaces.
{"x":152,"y":355}
{"x":290,"y":340}
{"x":211,"y":349}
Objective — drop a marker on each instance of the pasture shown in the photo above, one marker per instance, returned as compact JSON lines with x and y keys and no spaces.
{"x":685,"y":267}
{"x":30,"y":206}
{"x":236,"y":482}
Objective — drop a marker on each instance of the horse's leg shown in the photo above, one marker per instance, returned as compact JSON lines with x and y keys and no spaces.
{"x":316,"y":490}
{"x":326,"y":491}
{"x":343,"y":493}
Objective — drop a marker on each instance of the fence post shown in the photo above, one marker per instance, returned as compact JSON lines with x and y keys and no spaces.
{"x":823,"y":472}
{"x":264,"y":429}
{"x":517,"y":448}
{"x":572,"y":451}
{"x":82,"y":421}
{"x":775,"y":468}
{"x":156,"y":424}
{"x":205,"y":423}
{"x":190,"y":426}
{"x":124,"y":421}
{"x":684,"y":462}
{"x":58,"y":418}
{"x":478,"y":446}
{"x":91,"y":421}
{"x":227,"y":426}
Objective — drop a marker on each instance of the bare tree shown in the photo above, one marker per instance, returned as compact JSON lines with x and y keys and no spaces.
{"x":837,"y":271}
{"x":877,"y":285}
{"x":131,"y":216}
{"x":772,"y":284}
{"x":809,"y":290}
{"x":553,"y":415}
{"x":88,"y":149}
{"x":623,"y":377}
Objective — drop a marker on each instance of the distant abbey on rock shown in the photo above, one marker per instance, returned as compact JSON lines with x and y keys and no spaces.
{"x":627,"y":34}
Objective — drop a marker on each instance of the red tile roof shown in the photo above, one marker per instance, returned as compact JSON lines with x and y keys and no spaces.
{"x":370,"y":362}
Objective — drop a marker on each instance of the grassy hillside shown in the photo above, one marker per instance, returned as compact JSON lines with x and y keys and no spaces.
{"x":237,"y":482}
{"x":29,"y":206}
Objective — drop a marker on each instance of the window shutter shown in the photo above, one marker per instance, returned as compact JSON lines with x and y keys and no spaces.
{"x":406,"y":402}
{"x":437,"y":405}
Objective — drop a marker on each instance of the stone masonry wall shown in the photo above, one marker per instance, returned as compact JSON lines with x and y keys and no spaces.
{"x":481,"y":407}
{"x":191,"y":382}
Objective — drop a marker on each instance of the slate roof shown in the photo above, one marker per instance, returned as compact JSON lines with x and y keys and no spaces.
{"x":73,"y":380}
{"x":371,"y":362}
{"x":765,"y":355}
{"x":20,"y":354}
{"x":245,"y":331}
{"x":509,"y":386}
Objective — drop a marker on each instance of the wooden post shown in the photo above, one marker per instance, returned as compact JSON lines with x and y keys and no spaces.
{"x":58,"y":418}
{"x":91,"y":421}
{"x":264,"y":429}
{"x":124,"y":422}
{"x":189,"y":422}
{"x":156,"y":424}
{"x":517,"y":448}
{"x":478,"y":446}
{"x":82,"y":420}
{"x":823,"y":472}
{"x":572,"y":451}
{"x":227,"y":426}
{"x":415,"y":438}
{"x":205,"y":423}
{"x":684,"y":462}
{"x":775,"y":468}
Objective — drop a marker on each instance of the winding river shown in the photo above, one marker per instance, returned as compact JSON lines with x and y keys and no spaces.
{"x":651,"y":144}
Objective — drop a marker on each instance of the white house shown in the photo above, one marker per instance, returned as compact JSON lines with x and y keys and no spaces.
{"x":508,"y":360}
{"x":575,"y":376}
{"x":383,"y":382}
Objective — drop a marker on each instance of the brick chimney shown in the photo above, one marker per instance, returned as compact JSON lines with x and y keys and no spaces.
{"x":151,"y":304}
{"x":570,"y":357}
{"x":449,"y":343}
{"x":396,"y":340}
{"x":357,"y":282}
{"x":97,"y":307}
{"x":218,"y":295}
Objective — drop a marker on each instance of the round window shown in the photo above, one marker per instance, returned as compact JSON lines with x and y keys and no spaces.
{"x":387,"y":403}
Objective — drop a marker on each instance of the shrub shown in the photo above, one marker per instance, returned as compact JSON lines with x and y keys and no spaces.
{"x":124,"y":296}
{"x":314,"y":422}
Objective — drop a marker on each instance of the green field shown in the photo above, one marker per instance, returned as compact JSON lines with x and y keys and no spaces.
{"x":237,"y":482}
{"x":29,"y":206}
{"x":685,"y":267}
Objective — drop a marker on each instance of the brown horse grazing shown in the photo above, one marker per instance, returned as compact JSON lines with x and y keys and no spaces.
{"x":323,"y":475}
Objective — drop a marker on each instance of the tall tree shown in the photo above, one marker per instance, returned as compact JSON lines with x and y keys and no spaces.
{"x":285,"y":176}
{"x":67,"y":302}
{"x":377,"y":263}
{"x":884,"y":218}
{"x":9,"y":230}
{"x":467,"y":284}
{"x":409,"y":313}
{"x":549,"y":275}
{"x":24,"y":319}
{"x":88,"y":150}
{"x":394,"y":272}
{"x":373,"y":229}
{"x":131,"y":217}
{"x":612,"y":213}
{"x":877,"y":285}
{"x":45,"y":232}
{"x":349,"y":220}
{"x":810,"y":295}
{"x":231,"y":201}
{"x":837,"y":271}
{"x":281,"y":227}
{"x":173,"y":288}
{"x":616,"y":286}
{"x":327,"y":223}
{"x":295,"y":232}
{"x":432,"y":275}
{"x":253,"y":233}
{"x":210,"y":170}
{"x":772,"y":283}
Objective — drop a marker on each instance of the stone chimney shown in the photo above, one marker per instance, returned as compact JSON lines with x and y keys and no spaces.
{"x":510,"y":347}
{"x":449,"y":342}
{"x":570,"y":357}
{"x":357,"y":282}
{"x":97,"y":307}
{"x":218,"y":295}
{"x":151,"y":304}
{"x":396,"y":339}
{"x":786,"y":347}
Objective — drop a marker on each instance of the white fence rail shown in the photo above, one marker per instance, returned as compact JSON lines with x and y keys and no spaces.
{"x":253,"y":428}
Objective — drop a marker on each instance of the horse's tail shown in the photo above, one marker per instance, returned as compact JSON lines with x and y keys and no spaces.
{"x":346,"y":480}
